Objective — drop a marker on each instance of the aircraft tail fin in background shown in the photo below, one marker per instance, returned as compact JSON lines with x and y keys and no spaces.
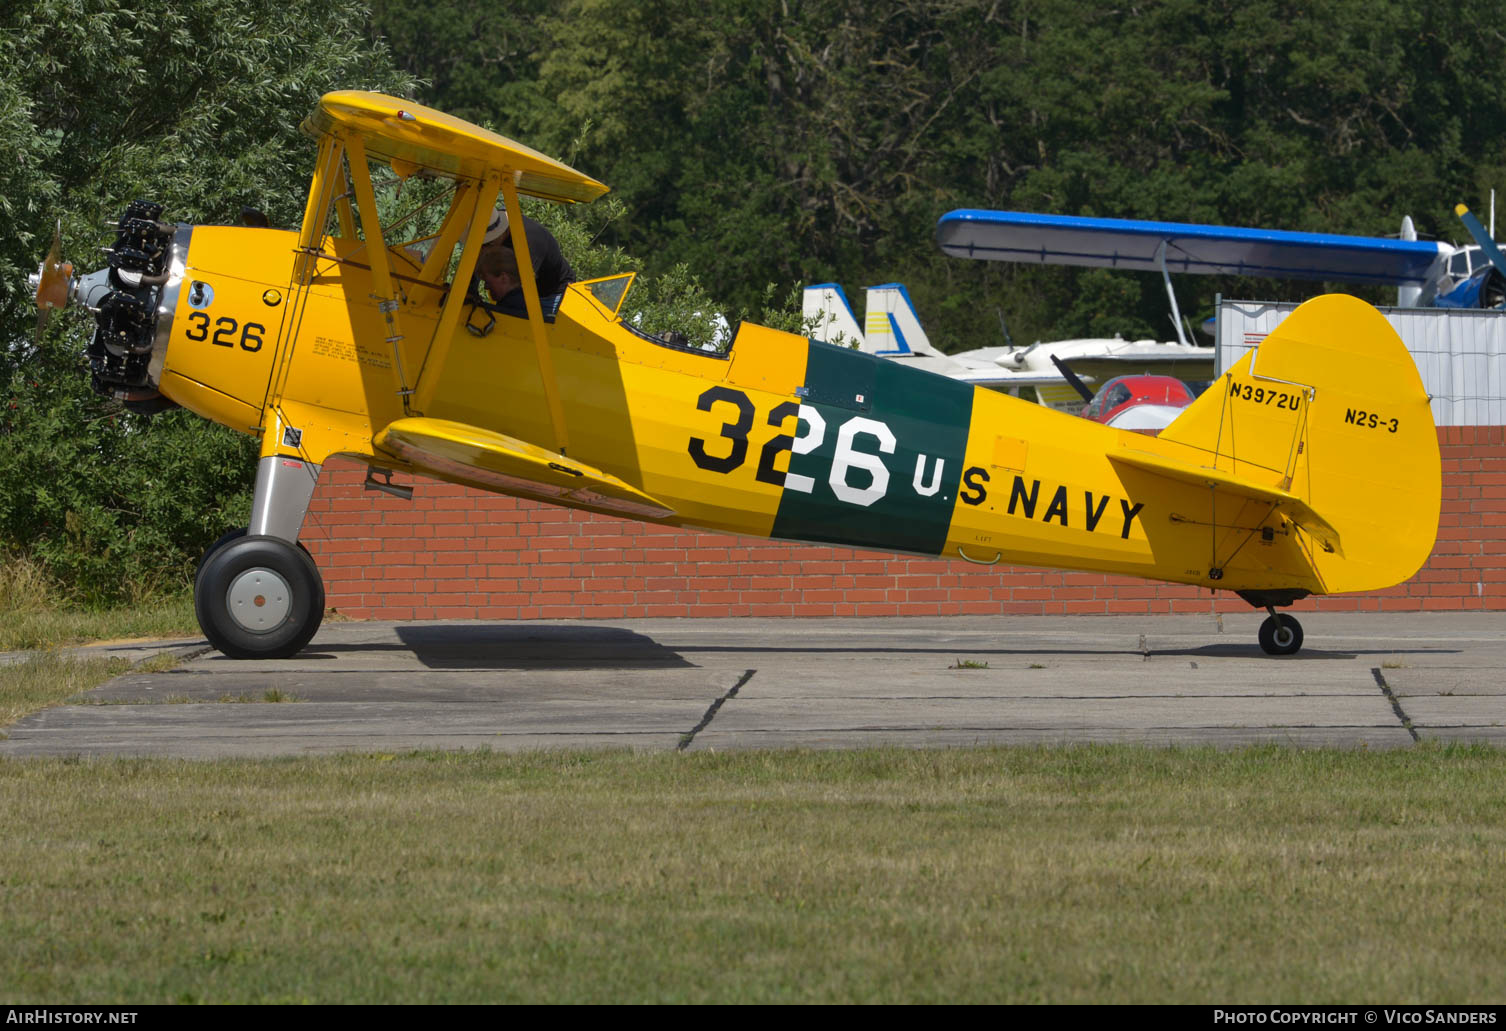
{"x":825,"y":308}
{"x":1408,"y":295}
{"x":892,"y":327}
{"x":1329,"y":411}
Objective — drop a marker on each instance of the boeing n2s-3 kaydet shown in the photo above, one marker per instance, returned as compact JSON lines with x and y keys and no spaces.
{"x":1311,"y":467}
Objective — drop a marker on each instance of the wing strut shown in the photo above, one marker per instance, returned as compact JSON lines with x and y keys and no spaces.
{"x":376,"y":250}
{"x":535,"y":311}
{"x":485,"y":197}
{"x":305,"y":267}
{"x":1176,"y":313}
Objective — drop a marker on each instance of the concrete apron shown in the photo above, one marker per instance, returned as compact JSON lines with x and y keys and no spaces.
{"x":1361,"y":680}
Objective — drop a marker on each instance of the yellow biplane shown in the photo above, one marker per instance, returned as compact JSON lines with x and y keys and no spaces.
{"x":1311,"y":467}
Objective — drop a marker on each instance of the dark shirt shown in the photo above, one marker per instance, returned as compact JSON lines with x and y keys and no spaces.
{"x":550,"y":269}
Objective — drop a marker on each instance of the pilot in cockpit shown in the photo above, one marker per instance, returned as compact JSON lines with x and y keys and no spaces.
{"x":497,"y":267}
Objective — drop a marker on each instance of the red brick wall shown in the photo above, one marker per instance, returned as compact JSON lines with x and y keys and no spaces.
{"x":454,"y":553}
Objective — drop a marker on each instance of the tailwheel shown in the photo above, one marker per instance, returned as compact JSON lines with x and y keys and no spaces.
{"x":258,"y":597}
{"x":1280,"y":634}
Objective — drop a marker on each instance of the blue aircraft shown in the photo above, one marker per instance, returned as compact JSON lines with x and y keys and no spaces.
{"x":1426,"y":273}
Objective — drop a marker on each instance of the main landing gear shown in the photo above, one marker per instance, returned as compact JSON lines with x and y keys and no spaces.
{"x":258,"y":597}
{"x":258,"y":594}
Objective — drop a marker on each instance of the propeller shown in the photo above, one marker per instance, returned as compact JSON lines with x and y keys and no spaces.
{"x":1072,"y":378}
{"x":1482,"y":238}
{"x":53,"y":279}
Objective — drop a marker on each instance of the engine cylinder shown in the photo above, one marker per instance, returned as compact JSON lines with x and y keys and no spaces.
{"x":143,"y":272}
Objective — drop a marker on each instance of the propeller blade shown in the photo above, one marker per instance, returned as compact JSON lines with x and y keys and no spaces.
{"x":1482,"y":238}
{"x":1072,"y":378}
{"x":56,"y":274}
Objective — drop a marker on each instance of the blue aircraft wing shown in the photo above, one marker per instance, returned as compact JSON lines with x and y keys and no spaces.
{"x":1211,"y":250}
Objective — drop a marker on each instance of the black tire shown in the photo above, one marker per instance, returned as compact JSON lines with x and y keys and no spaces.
{"x":224,"y":539}
{"x":258,"y":597}
{"x":1281,"y":635}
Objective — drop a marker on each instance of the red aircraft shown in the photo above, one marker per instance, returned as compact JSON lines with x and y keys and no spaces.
{"x":1140,"y":402}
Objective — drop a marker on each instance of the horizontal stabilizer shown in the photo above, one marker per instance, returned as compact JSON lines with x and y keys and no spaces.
{"x":497,"y":462}
{"x":1295,"y":509}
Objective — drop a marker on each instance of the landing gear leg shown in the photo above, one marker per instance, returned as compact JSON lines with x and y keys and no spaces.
{"x":1280,"y":634}
{"x":258,"y":594}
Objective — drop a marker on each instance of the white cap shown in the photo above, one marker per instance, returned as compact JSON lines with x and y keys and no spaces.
{"x":494,"y":229}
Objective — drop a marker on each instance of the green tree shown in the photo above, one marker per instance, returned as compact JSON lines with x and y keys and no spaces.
{"x":477,"y":61}
{"x":195,"y":105}
{"x":797,"y":141}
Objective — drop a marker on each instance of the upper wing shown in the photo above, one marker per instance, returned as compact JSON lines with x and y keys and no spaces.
{"x":1213,"y":250}
{"x":407,"y":132}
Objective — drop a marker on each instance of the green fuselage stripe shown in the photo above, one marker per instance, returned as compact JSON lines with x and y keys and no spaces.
{"x":887,"y":469}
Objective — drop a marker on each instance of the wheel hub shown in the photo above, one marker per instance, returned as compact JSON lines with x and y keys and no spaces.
{"x":259,"y":600}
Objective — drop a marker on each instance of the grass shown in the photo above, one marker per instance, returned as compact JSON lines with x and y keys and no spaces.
{"x":270,"y":695}
{"x":34,"y":613}
{"x":37,"y":618}
{"x":968,"y":664}
{"x":1085,"y":874}
{"x":49,"y":678}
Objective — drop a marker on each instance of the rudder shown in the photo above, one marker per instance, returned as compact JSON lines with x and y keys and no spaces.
{"x":1330,"y":407}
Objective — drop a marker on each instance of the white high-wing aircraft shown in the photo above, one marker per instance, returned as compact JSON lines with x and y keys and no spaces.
{"x":891,"y":329}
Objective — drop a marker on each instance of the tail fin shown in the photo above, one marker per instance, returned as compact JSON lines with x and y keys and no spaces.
{"x":1408,"y":296}
{"x":1330,"y":409}
{"x":826,"y":310}
{"x":892,"y":325}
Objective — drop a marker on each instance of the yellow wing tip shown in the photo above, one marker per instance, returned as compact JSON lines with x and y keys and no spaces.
{"x":1460,"y":209}
{"x":422,"y":137}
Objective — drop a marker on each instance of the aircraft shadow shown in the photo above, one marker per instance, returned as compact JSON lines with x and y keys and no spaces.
{"x":542,"y":647}
{"x":472,"y":646}
{"x":1236,"y":651}
{"x":1231,"y":651}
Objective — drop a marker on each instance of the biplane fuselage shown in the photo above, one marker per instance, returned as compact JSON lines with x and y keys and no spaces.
{"x":338,"y":342}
